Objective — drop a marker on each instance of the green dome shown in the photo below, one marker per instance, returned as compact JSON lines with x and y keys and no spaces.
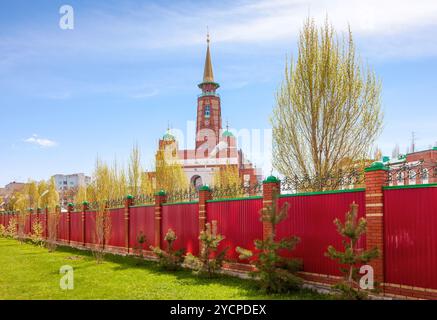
{"x":168,"y":137}
{"x":227,"y":134}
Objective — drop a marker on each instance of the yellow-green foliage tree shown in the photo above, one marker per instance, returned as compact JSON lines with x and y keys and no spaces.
{"x":119,"y":181}
{"x":327,"y":108}
{"x":103,"y":190}
{"x":169,"y":173}
{"x":146,"y":184}
{"x":31,"y":195}
{"x":43,"y":190}
{"x":53,"y":215}
{"x":22,"y":212}
{"x":227,"y":182}
{"x":81,"y":195}
{"x":135,"y":171}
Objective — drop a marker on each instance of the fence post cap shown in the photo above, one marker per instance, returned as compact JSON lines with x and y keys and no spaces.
{"x":160,"y":193}
{"x":129,"y":197}
{"x":375,"y":166}
{"x":70,"y":204}
{"x":271,"y":179}
{"x":85,"y":203}
{"x":205,"y":188}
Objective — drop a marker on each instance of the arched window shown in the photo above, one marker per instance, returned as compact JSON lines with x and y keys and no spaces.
{"x":196,"y":182}
{"x":425,"y":176}
{"x":411,"y":177}
{"x":207,"y":111}
{"x":400,"y":179}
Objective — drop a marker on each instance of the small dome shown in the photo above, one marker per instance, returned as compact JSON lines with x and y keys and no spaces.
{"x":227,"y":134}
{"x":168,"y":137}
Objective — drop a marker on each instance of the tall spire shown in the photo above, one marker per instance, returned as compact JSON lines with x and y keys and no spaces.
{"x":208,"y":74}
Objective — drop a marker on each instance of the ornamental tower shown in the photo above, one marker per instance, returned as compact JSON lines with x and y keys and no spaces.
{"x":209,"y":118}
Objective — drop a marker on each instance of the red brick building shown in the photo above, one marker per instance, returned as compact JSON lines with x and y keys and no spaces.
{"x":214,"y":147}
{"x":413,"y":168}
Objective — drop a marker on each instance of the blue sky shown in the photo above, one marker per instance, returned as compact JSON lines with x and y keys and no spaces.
{"x":128,"y":68}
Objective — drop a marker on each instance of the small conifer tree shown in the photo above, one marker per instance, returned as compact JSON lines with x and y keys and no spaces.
{"x":275,"y":273}
{"x":141,"y":240}
{"x":351,"y":257}
{"x":170,"y":259}
{"x":211,"y":258}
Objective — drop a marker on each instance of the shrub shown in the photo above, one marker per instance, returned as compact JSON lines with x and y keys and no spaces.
{"x":141,"y":240}
{"x":37,"y":232}
{"x":11,"y":229}
{"x":210,"y":259}
{"x":170,"y":259}
{"x":275,"y":274}
{"x":352,"y":230}
{"x":2,"y":231}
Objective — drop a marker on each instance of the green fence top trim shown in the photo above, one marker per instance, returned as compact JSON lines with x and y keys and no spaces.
{"x":411,"y":186}
{"x":376,"y":166}
{"x":321,"y":192}
{"x":176,"y":203}
{"x":235,"y":199}
{"x":205,"y":188}
{"x":142,"y":205}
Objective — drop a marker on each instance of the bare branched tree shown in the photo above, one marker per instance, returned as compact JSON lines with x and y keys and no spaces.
{"x":327,"y":110}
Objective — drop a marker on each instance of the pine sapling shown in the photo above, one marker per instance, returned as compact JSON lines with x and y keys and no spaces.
{"x":275,"y":273}
{"x":141,"y":240}
{"x":351,"y":257}
{"x":170,"y":259}
{"x":211,"y":258}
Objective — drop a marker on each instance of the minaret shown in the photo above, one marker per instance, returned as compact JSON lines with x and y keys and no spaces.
{"x":209,"y":118}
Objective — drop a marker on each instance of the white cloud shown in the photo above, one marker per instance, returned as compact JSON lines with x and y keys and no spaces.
{"x":384,"y":27}
{"x":41,"y":142}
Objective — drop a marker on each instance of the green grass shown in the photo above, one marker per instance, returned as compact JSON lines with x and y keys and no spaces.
{"x":31,"y":272}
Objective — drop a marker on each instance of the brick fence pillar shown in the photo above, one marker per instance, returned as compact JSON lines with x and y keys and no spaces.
{"x":271,"y":187}
{"x":375,"y":179}
{"x":160,"y":198}
{"x":69,"y":211}
{"x":85,"y":207}
{"x":204,"y":195}
{"x":127,"y":204}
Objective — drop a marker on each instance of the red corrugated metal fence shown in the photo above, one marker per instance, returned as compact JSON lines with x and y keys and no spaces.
{"x":184,"y":220}
{"x":310,"y":217}
{"x":410,"y":226}
{"x":239,"y":221}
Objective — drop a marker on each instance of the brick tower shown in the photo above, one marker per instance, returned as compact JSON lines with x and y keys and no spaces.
{"x":209,"y":117}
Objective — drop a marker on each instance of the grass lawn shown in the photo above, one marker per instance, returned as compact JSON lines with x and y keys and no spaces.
{"x":31,"y":272}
